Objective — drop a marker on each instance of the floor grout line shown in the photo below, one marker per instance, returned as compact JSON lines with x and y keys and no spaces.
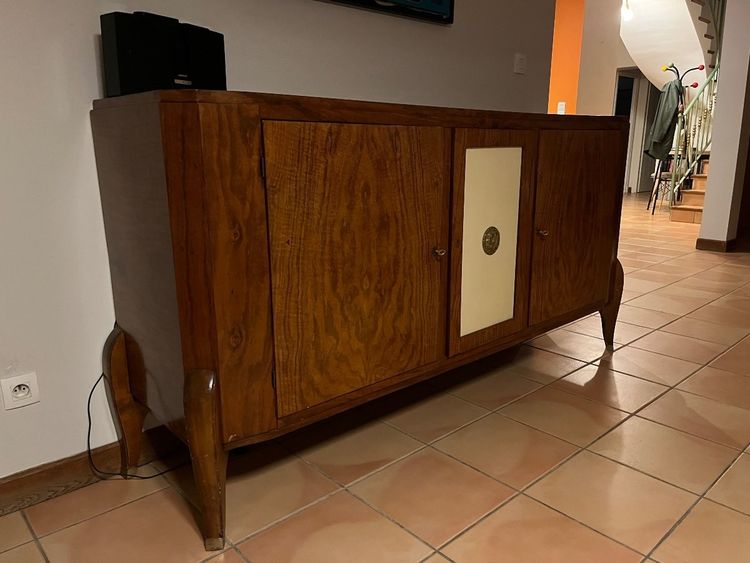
{"x":34,"y":536}
{"x":516,"y":493}
{"x":642,"y":472}
{"x":562,"y":462}
{"x":630,"y":230}
{"x":167,"y":485}
{"x":697,"y":501}
{"x":567,"y":459}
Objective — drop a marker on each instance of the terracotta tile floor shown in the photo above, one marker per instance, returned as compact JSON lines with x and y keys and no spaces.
{"x":562,"y":454}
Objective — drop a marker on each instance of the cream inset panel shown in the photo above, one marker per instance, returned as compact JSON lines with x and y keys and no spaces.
{"x":492,"y":189}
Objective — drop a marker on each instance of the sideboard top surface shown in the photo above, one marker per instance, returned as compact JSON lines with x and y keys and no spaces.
{"x":305,"y":108}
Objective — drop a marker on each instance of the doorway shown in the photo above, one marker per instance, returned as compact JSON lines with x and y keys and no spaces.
{"x":636,"y":98}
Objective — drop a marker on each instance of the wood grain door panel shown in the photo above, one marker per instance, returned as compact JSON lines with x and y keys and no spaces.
{"x":355,"y":213}
{"x":579,"y":189}
{"x":490,"y":196}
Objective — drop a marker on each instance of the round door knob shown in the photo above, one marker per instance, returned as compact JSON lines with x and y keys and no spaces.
{"x":491,"y":241}
{"x":439,"y":252}
{"x":542,"y":233}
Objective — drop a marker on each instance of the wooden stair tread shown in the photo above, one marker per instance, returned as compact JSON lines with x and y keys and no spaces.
{"x":688,"y":207}
{"x":693,"y":191}
{"x":700,"y":175}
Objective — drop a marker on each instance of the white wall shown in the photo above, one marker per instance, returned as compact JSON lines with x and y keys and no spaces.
{"x":731,"y":128}
{"x":666,"y":32}
{"x":55,"y":296}
{"x":602,"y":53}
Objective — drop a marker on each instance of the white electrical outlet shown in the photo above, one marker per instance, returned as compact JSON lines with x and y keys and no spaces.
{"x":19,"y":390}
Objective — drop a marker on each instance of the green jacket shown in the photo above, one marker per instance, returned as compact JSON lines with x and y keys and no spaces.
{"x":661,"y":135}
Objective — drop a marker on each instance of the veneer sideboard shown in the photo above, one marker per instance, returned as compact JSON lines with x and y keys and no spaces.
{"x":278,"y":259}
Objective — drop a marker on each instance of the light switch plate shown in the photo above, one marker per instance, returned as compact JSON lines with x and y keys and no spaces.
{"x":519,"y":63}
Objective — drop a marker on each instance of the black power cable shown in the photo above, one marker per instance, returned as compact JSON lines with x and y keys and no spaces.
{"x":102,"y":474}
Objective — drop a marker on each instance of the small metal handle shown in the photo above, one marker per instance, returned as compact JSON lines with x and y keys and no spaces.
{"x":542,"y":233}
{"x":439,"y":252}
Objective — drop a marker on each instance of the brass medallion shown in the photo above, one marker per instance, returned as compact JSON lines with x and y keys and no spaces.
{"x":491,"y":240}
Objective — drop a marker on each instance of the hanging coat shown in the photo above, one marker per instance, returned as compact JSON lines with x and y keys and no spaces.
{"x":661,"y":135}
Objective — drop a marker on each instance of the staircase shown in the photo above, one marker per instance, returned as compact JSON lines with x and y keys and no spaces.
{"x":709,"y":13}
{"x":690,"y":207}
{"x":687,"y":34}
{"x":692,"y":143}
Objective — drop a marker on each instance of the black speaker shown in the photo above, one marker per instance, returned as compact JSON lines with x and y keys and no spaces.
{"x":145,"y":51}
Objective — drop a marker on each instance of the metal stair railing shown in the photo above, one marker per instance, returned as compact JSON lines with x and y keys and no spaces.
{"x":692,"y":139}
{"x":693,"y":134}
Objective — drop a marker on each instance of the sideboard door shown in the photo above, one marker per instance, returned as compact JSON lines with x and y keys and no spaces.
{"x":358,"y":219}
{"x":578,"y":198}
{"x":491,"y":240}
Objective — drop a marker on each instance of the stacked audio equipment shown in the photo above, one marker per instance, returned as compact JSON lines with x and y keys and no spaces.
{"x":145,"y":52}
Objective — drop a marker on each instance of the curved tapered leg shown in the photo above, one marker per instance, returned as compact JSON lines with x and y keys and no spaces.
{"x":207,"y":453}
{"x":128,"y":414}
{"x":610,"y":310}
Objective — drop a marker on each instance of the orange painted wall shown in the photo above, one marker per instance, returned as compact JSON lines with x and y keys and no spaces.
{"x":566,"y":54}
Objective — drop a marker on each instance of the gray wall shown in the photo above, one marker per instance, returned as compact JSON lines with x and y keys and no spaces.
{"x":325,"y":49}
{"x":55,"y":295}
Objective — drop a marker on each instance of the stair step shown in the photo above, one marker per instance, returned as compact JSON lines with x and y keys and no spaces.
{"x":700,"y":181}
{"x":700,"y":2}
{"x":704,"y":20}
{"x":686,"y":214}
{"x":693,"y":198}
{"x":699,"y":184}
{"x":711,"y":51}
{"x":708,"y":36}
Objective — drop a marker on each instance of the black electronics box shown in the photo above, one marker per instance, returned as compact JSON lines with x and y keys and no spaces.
{"x":145,"y":52}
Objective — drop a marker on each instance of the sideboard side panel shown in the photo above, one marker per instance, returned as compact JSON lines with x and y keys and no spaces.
{"x":231,"y":140}
{"x":133,"y":186}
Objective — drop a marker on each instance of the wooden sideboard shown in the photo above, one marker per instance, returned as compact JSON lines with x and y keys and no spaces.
{"x":278,"y":259}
